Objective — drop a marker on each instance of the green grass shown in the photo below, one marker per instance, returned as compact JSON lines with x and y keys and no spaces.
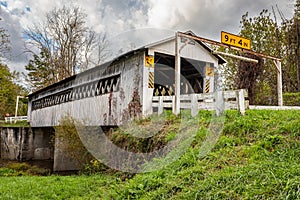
{"x":56,"y":187}
{"x":256,"y":157}
{"x":13,"y":125}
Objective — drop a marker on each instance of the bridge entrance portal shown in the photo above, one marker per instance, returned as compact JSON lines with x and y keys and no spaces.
{"x":192,"y":72}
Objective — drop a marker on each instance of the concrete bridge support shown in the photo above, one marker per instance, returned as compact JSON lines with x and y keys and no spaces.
{"x":24,"y":144}
{"x":36,"y":145}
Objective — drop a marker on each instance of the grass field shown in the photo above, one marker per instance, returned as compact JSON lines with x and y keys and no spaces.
{"x":256,"y":157}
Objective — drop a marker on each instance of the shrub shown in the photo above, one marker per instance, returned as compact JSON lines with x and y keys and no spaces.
{"x":93,"y":167}
{"x":18,"y":166}
{"x":69,"y":141}
{"x":21,"y":169}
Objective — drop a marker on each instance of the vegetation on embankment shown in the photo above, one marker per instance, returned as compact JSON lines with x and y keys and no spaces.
{"x":291,"y":99}
{"x":256,"y":157}
{"x":12,"y":169}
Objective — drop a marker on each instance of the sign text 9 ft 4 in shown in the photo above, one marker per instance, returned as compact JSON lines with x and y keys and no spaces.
{"x":234,"y":40}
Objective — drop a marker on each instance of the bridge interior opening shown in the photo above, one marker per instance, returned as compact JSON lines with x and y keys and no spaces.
{"x":192,"y":75}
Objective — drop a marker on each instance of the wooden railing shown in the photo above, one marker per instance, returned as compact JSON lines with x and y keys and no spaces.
{"x":233,"y":99}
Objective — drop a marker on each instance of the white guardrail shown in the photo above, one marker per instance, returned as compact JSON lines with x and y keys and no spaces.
{"x":15,"y":119}
{"x":234,"y":99}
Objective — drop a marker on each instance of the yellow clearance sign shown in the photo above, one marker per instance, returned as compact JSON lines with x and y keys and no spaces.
{"x":234,"y":40}
{"x":209,"y":71}
{"x":149,"y":61}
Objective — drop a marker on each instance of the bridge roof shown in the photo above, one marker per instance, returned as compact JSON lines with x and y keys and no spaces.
{"x":220,"y":59}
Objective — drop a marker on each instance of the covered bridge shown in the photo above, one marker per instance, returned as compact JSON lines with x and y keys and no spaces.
{"x":113,"y":92}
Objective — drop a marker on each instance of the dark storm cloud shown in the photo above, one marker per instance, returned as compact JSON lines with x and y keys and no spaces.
{"x":17,"y":56}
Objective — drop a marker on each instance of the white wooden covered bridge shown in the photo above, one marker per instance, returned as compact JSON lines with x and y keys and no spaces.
{"x":115,"y":91}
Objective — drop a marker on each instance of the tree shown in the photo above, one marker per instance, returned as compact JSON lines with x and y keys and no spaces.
{"x":247,"y":75}
{"x":265,"y":35}
{"x":260,"y":79}
{"x":8,"y":87}
{"x":282,"y":41}
{"x":8,"y":91}
{"x":291,"y":31}
{"x":64,"y":42}
{"x":40,"y":72}
{"x":100,"y":50}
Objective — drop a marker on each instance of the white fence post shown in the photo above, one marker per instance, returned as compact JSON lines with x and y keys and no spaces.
{"x":160,"y":105}
{"x":174,"y":104}
{"x":194,"y":105}
{"x":241,"y":101}
{"x":219,"y":102}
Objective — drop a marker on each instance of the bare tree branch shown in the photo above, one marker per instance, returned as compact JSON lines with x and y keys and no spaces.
{"x":64,"y":42}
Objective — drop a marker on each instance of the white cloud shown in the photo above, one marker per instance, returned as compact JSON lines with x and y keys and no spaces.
{"x":208,"y":17}
{"x":171,"y":13}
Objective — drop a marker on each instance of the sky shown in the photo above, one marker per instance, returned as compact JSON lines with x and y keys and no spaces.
{"x":135,"y":22}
